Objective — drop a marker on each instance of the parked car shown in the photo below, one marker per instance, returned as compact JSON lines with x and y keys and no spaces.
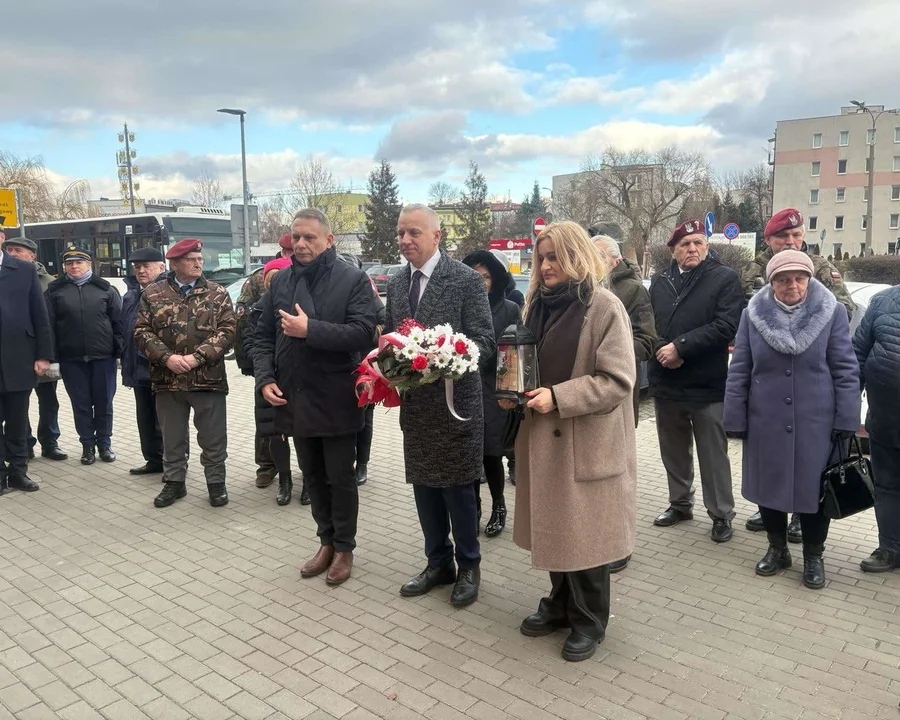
{"x":384,"y":275}
{"x":366,"y":266}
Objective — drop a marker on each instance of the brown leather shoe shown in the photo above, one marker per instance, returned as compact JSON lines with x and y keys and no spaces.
{"x":320,"y":562}
{"x":340,"y":569}
{"x":264,"y":478}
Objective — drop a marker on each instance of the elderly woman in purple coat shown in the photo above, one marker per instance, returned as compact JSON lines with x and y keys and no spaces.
{"x":792,"y":393}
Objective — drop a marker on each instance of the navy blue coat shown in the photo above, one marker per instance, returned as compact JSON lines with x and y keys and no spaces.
{"x":877,"y":346}
{"x":793,"y":379}
{"x":135,"y":367}
{"x":24,"y":325}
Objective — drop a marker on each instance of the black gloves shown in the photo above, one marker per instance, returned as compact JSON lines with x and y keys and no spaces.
{"x":842,"y":435}
{"x":736,"y":434}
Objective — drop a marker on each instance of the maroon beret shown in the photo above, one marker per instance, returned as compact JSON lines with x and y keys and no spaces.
{"x":688,"y":227}
{"x":183,"y":247}
{"x":286,"y":241}
{"x":786,"y":219}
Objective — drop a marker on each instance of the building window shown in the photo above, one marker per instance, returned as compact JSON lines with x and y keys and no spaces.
{"x":360,"y":208}
{"x":817,"y":140}
{"x":840,"y":194}
{"x":816,"y":168}
{"x":896,"y":163}
{"x":868,"y":165}
{"x":837,"y":251}
{"x":842,"y":167}
{"x":812,"y":222}
{"x":895,"y":221}
{"x":862,"y":249}
{"x":897,"y":134}
{"x":870,"y":137}
{"x":844,"y":138}
{"x":895,"y":192}
{"x":814,"y":197}
{"x":862,"y":223}
{"x":865,"y":193}
{"x":838,"y":222}
{"x":892,"y":248}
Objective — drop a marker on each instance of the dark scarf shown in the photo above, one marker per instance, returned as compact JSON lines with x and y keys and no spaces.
{"x":558,"y":315}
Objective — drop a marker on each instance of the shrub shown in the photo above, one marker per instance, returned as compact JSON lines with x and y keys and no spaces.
{"x":878,"y":269}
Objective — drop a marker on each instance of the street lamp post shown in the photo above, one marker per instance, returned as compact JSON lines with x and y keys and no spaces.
{"x":870,"y":201}
{"x":242,"y":114}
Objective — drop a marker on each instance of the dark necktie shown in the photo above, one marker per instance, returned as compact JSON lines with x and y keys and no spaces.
{"x":415,"y":290}
{"x":185,"y":289}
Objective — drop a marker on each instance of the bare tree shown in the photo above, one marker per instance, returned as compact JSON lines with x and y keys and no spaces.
{"x":442,"y":193}
{"x":274,"y":219}
{"x":645,"y":191}
{"x":316,"y":186}
{"x":752,"y":186}
{"x":206,"y":190}
{"x":41,"y":200}
{"x":75,"y":202}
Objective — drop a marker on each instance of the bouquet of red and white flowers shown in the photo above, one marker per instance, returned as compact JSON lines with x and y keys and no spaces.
{"x":411,"y":357}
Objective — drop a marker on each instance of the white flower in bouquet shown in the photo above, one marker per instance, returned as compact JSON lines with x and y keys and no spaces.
{"x":430,"y":336}
{"x":409,"y":351}
{"x":417,"y":335}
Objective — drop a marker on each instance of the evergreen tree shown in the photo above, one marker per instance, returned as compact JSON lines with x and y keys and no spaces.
{"x":382,"y":212}
{"x":532,"y":207}
{"x":475,"y":214}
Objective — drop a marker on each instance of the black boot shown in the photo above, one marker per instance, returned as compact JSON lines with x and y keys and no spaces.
{"x":497,"y":521}
{"x":304,"y":495}
{"x":285,"y":485}
{"x":794,"y":534}
{"x":777,"y":557}
{"x":813,"y":566}
{"x":880,"y":561}
{"x":755,"y":523}
{"x":362,"y":473}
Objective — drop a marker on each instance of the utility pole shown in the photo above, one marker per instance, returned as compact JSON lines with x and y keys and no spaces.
{"x":127,"y":171}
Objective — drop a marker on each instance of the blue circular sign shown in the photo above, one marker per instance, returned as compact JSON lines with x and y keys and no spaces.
{"x":731,"y":231}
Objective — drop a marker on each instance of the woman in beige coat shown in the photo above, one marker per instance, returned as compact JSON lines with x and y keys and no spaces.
{"x":577,"y":470}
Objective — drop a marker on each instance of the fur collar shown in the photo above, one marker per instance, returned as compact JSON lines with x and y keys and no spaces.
{"x":792,"y":333}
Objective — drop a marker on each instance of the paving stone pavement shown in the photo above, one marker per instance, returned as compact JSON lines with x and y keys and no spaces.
{"x":115,"y":609}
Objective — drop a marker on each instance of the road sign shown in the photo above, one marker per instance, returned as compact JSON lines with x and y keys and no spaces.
{"x":731,"y":231}
{"x":8,"y":208}
{"x":237,"y":225}
{"x":539,"y":225}
{"x":710,"y":224}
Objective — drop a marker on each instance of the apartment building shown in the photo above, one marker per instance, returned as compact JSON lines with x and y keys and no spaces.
{"x":821,"y":167}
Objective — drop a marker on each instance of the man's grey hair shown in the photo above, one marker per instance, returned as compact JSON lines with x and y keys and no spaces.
{"x":421,"y":207}
{"x":612,"y":247}
{"x":313,"y":214}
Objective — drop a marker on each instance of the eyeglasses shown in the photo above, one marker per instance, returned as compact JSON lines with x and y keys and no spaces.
{"x":193,"y":261}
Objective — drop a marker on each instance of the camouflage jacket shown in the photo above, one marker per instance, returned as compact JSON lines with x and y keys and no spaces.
{"x":625,"y":283}
{"x":201,"y":324}
{"x":753,"y":277}
{"x":252,"y":290}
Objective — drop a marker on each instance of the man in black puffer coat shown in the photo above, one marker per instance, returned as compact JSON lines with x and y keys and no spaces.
{"x":86,"y":321}
{"x":697,"y":304}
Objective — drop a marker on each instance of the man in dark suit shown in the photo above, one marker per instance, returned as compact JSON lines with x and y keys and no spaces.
{"x":443,"y":455}
{"x":25,"y":352}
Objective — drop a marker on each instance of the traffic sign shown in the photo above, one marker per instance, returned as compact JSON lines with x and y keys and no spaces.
{"x":9,"y":209}
{"x":731,"y":231}
{"x":539,"y":225}
{"x":710,"y":224}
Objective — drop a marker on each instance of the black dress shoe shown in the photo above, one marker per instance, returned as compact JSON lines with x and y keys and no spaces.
{"x":218,"y":496}
{"x":775,"y":559}
{"x":497,"y":521}
{"x":721,"y":531}
{"x":673,"y":516}
{"x":880,"y":561}
{"x":170,"y":493}
{"x":429,"y":579}
{"x":579,"y":647}
{"x":88,"y":457}
{"x":755,"y":523}
{"x":362,"y":473}
{"x":106,"y":455}
{"x":813,"y":567}
{"x":53,"y":453}
{"x":465,"y":592}
{"x":795,"y":534}
{"x":537,"y":625}
{"x":21,"y":482}
{"x":619,"y":565}
{"x":304,"y":495}
{"x":150,"y":468}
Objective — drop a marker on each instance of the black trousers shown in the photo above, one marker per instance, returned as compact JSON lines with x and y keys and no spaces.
{"x":148,"y":424}
{"x":48,"y":417}
{"x":580,"y":598}
{"x":364,"y":438}
{"x":441,"y":509}
{"x":813,"y":526}
{"x":14,"y":432}
{"x":496,"y":479}
{"x":886,"y":476}
{"x":91,"y":387}
{"x":263,"y":456}
{"x":328,"y":471}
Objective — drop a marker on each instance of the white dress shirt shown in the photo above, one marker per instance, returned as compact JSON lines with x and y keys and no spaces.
{"x":427,"y":269}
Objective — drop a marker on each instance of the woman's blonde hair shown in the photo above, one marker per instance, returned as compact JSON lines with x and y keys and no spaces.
{"x":269,"y":276}
{"x":577,"y":257}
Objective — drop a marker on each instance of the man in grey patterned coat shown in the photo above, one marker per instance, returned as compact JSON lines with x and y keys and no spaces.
{"x":443,"y":455}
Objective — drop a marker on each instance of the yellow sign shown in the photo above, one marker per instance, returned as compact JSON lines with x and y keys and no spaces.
{"x":8,"y":208}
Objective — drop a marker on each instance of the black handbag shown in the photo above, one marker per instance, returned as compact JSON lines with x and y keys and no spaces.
{"x":847,"y":485}
{"x":511,"y":423}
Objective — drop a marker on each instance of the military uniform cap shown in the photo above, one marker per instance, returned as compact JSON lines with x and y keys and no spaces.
{"x":286,"y":242}
{"x":688,"y":227}
{"x":183,"y":247}
{"x":77,"y":253}
{"x":23,"y":241}
{"x":146,"y":254}
{"x":786,"y":219}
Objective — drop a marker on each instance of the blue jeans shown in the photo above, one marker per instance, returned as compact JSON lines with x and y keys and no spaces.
{"x":91,"y":387}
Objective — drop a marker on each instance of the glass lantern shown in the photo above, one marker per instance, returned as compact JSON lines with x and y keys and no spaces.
{"x":517,"y":365}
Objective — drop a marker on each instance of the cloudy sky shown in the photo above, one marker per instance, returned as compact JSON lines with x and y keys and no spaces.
{"x":527,"y":88}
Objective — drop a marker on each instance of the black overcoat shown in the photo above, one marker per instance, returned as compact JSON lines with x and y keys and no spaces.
{"x":24,"y":325}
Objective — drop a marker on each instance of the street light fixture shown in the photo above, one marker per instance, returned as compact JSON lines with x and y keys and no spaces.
{"x":242,"y":114}
{"x":870,"y":200}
